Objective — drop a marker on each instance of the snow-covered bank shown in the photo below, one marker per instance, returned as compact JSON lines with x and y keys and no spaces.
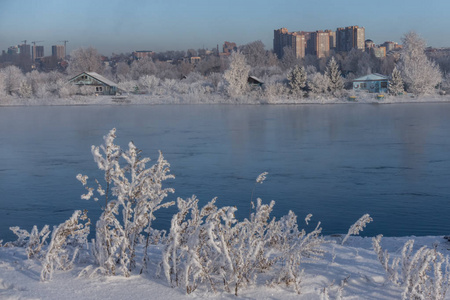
{"x":355,"y":263}
{"x":212,"y":99}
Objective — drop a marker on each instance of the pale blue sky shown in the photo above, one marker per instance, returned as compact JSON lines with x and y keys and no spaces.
{"x":160,"y":25}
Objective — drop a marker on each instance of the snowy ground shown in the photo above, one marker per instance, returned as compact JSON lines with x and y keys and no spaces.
{"x":19,"y":277}
{"x":211,"y":99}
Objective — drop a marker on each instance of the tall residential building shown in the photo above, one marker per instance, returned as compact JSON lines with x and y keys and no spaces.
{"x":302,"y":43}
{"x":58,"y":51}
{"x":294,"y":40}
{"x":37,"y":52}
{"x":320,"y":44}
{"x":348,"y":38}
{"x":332,"y":35}
{"x":25,"y":50}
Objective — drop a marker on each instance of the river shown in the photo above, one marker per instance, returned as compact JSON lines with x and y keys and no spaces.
{"x":337,"y":162}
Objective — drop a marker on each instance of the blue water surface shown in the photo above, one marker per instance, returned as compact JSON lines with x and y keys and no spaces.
{"x":337,"y":162}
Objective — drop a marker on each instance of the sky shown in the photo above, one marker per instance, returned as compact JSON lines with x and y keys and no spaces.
{"x":114,"y":26}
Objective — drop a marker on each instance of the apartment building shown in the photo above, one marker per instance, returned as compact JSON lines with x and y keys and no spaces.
{"x":318,"y":43}
{"x":37,"y":52}
{"x":58,"y":51}
{"x":348,"y":38}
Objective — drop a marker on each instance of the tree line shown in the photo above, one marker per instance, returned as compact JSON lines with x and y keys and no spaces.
{"x":411,"y":70}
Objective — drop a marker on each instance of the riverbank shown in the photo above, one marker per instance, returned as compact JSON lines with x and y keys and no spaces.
{"x":214,"y":99}
{"x":353,"y":266}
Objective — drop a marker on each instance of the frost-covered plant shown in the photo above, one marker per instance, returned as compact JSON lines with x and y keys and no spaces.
{"x":357,"y":227}
{"x":33,"y":240}
{"x":424,"y":275}
{"x":136,"y":193}
{"x":210,"y":246}
{"x":295,"y":246}
{"x":67,"y":240}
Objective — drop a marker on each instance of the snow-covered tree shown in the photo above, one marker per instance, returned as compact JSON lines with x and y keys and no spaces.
{"x":335,"y":81}
{"x":12,"y":78}
{"x":420,"y":75}
{"x":142,"y":67}
{"x":396,"y":83}
{"x":297,"y":80}
{"x":237,"y":75}
{"x":257,"y":56}
{"x":85,"y":60}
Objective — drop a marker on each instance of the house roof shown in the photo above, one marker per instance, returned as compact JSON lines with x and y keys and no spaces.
{"x":97,"y":77}
{"x":101,"y":78}
{"x":372,"y":77}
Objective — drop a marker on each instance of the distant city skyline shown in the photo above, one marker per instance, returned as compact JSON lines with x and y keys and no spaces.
{"x":125,"y":26}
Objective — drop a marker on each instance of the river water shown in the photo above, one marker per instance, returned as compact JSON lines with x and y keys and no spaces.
{"x":337,"y":162}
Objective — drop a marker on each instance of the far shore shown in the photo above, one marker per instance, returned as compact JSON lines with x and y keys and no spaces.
{"x":133,"y":99}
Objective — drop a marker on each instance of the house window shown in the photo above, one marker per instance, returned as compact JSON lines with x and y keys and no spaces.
{"x":383,"y":84}
{"x":99,"y":89}
{"x":363,"y":85}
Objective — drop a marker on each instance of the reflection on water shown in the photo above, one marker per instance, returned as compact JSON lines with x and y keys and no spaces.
{"x":334,"y":161}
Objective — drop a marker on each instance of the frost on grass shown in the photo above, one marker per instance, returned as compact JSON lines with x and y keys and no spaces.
{"x":358,"y":227}
{"x":422,"y":275}
{"x":33,"y":240}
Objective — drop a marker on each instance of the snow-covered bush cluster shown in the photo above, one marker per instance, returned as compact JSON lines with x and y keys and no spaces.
{"x":210,"y":246}
{"x":286,"y":80}
{"x":422,"y":275}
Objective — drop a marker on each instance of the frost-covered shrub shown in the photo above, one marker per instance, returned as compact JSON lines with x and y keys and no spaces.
{"x":424,"y":275}
{"x":149,"y":83}
{"x":132,"y":192}
{"x":210,"y":246}
{"x":67,"y":240}
{"x":318,"y":84}
{"x":33,"y":240}
{"x":274,"y":91}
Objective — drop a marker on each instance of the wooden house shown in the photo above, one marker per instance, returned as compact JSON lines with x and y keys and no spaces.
{"x":96,"y":83}
{"x":372,"y":83}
